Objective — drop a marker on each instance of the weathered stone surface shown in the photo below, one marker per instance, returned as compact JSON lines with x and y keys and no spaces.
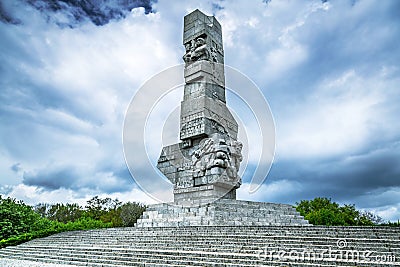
{"x":217,"y":246}
{"x":204,"y":166}
{"x":222,"y":212}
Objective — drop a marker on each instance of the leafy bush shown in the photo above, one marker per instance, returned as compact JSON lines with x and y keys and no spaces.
{"x":113,"y":211}
{"x":392,"y":224}
{"x":97,"y":207}
{"x":20,"y":222}
{"x":16,"y":218}
{"x":322,"y":211}
{"x":60,"y":212}
{"x":130,"y":212}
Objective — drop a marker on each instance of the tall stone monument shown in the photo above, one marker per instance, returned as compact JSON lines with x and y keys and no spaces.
{"x":204,"y":166}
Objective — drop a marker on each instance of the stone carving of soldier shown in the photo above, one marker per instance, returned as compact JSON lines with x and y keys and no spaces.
{"x":202,"y":157}
{"x":188,"y":52}
{"x":200,"y":50}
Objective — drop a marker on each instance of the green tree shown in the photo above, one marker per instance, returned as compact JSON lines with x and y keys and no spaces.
{"x":16,"y":218}
{"x":368,"y":216}
{"x":95,"y":207}
{"x":42,"y":209}
{"x":65,"y":212}
{"x":322,"y":211}
{"x":130,"y":212}
{"x":103,"y":209}
{"x":60,"y":212}
{"x":112,"y":216}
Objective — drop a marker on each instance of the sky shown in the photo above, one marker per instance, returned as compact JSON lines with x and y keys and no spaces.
{"x":329,"y":70}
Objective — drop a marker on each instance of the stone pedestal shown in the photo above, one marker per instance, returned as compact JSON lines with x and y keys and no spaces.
{"x":223,"y":212}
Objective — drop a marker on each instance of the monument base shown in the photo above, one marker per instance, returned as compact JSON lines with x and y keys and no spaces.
{"x":202,"y":195}
{"x":223,"y":212}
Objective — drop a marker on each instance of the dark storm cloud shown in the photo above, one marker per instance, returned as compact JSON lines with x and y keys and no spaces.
{"x":75,"y":178}
{"x":345,"y":179}
{"x":329,"y":70}
{"x":5,"y":16}
{"x":63,"y":94}
{"x":51,"y":179}
{"x":360,"y":37}
{"x":16,"y":167}
{"x":73,"y":12}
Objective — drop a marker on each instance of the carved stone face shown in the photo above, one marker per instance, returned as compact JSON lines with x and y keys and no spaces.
{"x":200,"y":41}
{"x":188,"y":47}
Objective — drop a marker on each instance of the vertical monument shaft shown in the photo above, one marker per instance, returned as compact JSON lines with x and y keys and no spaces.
{"x":204,"y":166}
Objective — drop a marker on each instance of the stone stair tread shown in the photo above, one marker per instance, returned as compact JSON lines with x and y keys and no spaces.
{"x":206,"y":246}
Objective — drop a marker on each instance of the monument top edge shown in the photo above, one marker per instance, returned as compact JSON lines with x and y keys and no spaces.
{"x":197,"y":24}
{"x":198,"y":15}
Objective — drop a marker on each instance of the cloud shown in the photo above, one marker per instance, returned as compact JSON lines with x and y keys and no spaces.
{"x":389,"y":213}
{"x":329,"y":70}
{"x":73,"y":13}
{"x":343,"y":115}
{"x":368,"y":180}
{"x":277,"y":191}
{"x":33,"y":195}
{"x":52,"y":179}
{"x":64,"y":94}
{"x":16,"y":167}
{"x":56,"y":176}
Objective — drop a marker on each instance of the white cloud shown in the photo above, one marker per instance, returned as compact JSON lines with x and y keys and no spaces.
{"x":77,"y":84}
{"x":388,"y":213}
{"x":33,"y":195}
{"x":65,"y":90}
{"x":271,"y":191}
{"x":340,"y":117}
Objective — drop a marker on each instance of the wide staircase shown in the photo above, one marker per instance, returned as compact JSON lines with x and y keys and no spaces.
{"x":217,"y":246}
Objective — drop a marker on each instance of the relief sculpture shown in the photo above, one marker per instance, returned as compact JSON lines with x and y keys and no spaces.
{"x":196,"y":50}
{"x":218,"y":153}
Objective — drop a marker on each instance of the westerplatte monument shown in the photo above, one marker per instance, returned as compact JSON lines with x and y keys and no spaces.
{"x":203,"y":167}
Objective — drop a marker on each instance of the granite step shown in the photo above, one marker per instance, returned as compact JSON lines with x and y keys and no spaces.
{"x":181,"y":258}
{"x":212,"y":246}
{"x":227,"y":242}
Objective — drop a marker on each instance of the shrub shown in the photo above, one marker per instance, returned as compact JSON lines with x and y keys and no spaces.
{"x":322,"y":211}
{"x":130,"y":212}
{"x":16,"y":218}
{"x":20,"y":222}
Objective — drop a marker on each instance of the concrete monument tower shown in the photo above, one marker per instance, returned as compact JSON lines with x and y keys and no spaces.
{"x":204,"y":166}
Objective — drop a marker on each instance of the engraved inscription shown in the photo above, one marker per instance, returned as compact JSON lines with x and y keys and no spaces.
{"x":193,"y":127}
